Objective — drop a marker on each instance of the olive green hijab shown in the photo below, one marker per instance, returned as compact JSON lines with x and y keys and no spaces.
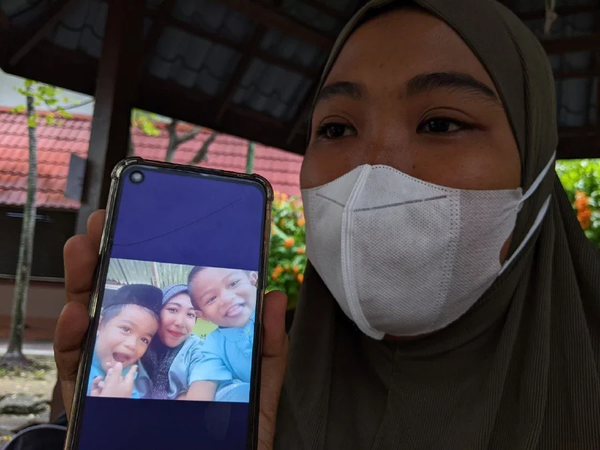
{"x":521,"y":370}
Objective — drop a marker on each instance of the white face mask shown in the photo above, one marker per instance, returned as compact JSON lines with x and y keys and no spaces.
{"x":405,"y":257}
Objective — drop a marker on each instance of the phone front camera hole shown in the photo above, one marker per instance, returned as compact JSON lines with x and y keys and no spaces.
{"x":136,"y":177}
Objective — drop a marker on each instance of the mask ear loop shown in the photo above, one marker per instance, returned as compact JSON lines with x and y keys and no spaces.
{"x":540,"y":216}
{"x":537,"y":181}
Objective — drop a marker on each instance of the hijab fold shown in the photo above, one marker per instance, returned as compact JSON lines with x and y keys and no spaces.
{"x":520,"y":370}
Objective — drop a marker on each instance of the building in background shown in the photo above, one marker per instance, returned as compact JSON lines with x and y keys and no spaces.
{"x":56,"y":214}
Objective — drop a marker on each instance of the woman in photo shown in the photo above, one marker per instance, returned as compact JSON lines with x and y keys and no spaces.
{"x":166,"y":369}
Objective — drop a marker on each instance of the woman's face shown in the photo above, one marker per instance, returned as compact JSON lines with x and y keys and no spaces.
{"x":407,"y":92}
{"x":177,"y":319}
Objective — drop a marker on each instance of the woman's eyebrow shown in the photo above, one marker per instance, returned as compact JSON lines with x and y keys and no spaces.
{"x":454,"y":81}
{"x":355,"y":91}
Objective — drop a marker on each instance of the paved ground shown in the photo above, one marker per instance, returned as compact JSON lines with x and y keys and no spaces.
{"x":38,"y":384}
{"x":34,"y":348}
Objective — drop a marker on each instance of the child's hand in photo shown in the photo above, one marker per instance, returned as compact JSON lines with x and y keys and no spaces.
{"x":117,"y":385}
{"x":97,"y":386}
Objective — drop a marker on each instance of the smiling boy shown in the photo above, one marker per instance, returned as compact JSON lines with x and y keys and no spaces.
{"x":227,"y":298}
{"x":128,"y":322}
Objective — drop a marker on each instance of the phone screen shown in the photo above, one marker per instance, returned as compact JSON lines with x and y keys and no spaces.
{"x":173,"y":359}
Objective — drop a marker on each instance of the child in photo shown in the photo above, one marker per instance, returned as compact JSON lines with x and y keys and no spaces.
{"x":128,"y":322}
{"x":227,"y":298}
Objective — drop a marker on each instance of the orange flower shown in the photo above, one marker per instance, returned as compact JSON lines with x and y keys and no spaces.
{"x":296,"y":269}
{"x":301,"y":222}
{"x":300,"y":277}
{"x":584,"y":218}
{"x":289,"y":242}
{"x":301,"y":250}
{"x":276,"y":272}
{"x":285,"y":197}
{"x":582,"y":201}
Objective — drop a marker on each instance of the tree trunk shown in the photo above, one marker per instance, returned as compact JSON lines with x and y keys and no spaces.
{"x":172,"y":146}
{"x":201,"y":155}
{"x":250,"y":157}
{"x":130,"y":147}
{"x":14,"y":354}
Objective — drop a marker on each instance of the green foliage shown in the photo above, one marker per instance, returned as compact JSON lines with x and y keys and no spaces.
{"x":145,"y":121}
{"x":287,"y":259}
{"x":581,"y":180}
{"x":50,"y":98}
{"x":43,"y":95}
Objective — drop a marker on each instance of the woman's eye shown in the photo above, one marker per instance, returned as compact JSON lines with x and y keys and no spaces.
{"x":126,"y":329}
{"x":146,"y":341}
{"x":441,"y":126}
{"x":234,"y":283}
{"x":172,"y":310}
{"x":191,"y":315}
{"x":334,"y":131}
{"x":210,"y":300}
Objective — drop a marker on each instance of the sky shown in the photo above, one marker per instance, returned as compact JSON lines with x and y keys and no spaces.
{"x":8,"y":96}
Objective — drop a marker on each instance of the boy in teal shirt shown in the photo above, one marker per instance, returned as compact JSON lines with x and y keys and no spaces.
{"x":128,"y":322}
{"x":227,"y":298}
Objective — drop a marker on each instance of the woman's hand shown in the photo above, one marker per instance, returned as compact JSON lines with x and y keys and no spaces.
{"x":274,"y":360}
{"x":81,"y":256}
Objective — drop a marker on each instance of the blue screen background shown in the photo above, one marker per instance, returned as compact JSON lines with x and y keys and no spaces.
{"x":191,"y":220}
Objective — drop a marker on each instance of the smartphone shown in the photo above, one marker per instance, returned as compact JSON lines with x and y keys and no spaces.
{"x":172,"y":354}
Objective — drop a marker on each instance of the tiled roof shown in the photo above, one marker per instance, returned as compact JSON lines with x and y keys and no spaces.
{"x":56,"y":143}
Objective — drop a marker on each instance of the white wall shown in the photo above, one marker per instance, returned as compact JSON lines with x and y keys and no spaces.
{"x":45,"y":300}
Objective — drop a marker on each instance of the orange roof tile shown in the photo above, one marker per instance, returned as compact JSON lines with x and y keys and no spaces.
{"x":56,"y":143}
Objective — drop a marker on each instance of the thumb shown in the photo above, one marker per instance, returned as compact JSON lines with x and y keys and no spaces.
{"x":275,"y":348}
{"x":274,"y":335}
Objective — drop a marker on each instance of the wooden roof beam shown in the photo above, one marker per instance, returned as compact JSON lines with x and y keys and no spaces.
{"x":322,"y":7}
{"x":298,"y":122}
{"x":572,"y":44}
{"x":579,"y":73}
{"x":33,"y":34}
{"x":560,"y":10}
{"x":578,"y":147}
{"x":159,"y":21}
{"x":4,"y":33}
{"x":272,"y":18}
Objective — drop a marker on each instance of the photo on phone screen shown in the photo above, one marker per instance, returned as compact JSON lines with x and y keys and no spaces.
{"x":171,"y":355}
{"x":175,"y":332}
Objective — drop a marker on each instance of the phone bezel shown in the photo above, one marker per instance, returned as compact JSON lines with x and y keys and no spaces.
{"x":99,"y":280}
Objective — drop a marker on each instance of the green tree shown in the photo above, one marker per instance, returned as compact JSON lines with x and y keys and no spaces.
{"x":202,"y":153}
{"x":287,"y":255}
{"x":581,"y":180}
{"x":36,"y":94}
{"x":50,"y":98}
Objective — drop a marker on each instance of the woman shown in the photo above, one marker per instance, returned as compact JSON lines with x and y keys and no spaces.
{"x":165,"y":368}
{"x":453,"y":302}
